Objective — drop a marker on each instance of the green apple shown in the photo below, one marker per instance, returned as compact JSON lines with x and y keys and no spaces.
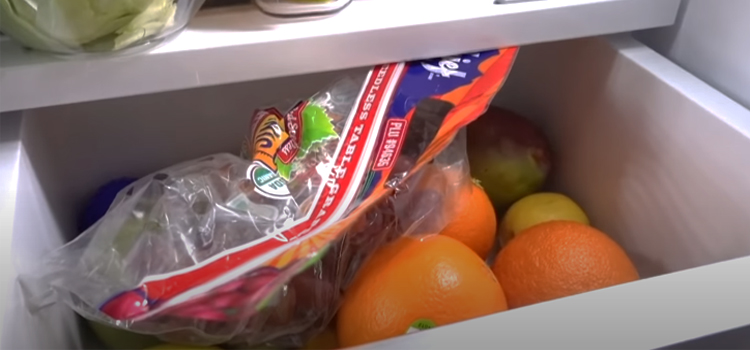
{"x":181,"y":347}
{"x":509,"y":155}
{"x":115,"y":338}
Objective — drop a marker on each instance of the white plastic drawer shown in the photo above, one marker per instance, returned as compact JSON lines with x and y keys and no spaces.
{"x":655,"y":156}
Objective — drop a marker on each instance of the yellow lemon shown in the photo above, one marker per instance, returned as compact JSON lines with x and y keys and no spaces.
{"x":538,"y":208}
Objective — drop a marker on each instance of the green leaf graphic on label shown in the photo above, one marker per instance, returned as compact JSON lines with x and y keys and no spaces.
{"x":284,"y":170}
{"x":316,"y":128}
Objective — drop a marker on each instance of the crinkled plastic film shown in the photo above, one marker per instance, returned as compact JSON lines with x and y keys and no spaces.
{"x":258,"y":248}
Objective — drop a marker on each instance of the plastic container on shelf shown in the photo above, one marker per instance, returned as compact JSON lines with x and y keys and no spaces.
{"x":86,"y":27}
{"x":224,"y":3}
{"x":293,"y":8}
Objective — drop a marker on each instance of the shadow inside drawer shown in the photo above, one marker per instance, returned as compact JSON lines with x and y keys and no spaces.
{"x":738,"y":338}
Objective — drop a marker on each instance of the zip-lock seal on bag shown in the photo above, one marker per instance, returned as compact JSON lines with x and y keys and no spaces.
{"x":258,"y":248}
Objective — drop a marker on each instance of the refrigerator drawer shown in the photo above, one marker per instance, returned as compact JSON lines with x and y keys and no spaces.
{"x":655,"y":156}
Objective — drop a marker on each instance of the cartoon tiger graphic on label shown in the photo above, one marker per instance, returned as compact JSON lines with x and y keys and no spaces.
{"x":269,"y":135}
{"x":262,"y":148}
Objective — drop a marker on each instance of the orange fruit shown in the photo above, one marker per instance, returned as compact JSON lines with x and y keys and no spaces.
{"x":556,"y":259}
{"x":414,"y":284}
{"x":474,"y":222}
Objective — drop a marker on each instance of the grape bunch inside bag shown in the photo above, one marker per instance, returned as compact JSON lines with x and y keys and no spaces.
{"x":257,"y":248}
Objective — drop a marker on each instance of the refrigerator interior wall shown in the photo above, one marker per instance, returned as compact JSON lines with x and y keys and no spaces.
{"x":661,"y":173}
{"x":710,"y":40}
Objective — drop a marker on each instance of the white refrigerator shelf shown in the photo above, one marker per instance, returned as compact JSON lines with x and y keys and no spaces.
{"x":240,"y":43}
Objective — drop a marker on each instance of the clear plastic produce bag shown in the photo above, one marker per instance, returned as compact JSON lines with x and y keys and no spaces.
{"x":257,"y":249}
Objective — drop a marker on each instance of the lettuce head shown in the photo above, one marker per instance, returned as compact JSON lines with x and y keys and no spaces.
{"x":84,"y":25}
